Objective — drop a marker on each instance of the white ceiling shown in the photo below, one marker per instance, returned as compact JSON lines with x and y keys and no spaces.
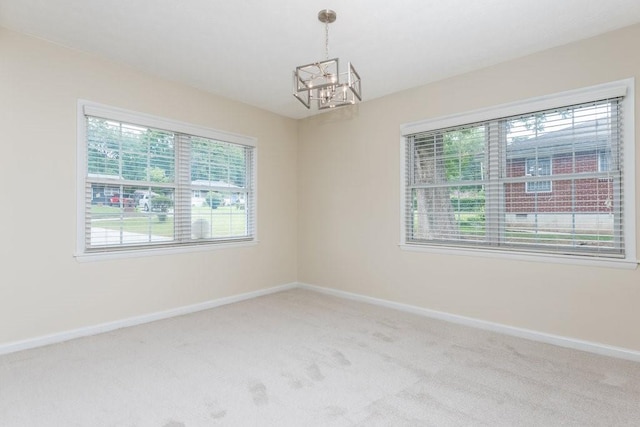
{"x":247,"y":49}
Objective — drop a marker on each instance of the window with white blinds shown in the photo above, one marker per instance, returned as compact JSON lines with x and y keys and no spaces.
{"x":547,"y":181}
{"x":151,"y":183}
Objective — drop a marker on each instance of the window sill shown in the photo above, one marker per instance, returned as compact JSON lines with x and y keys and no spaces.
{"x":136,"y":253}
{"x":546,"y":258}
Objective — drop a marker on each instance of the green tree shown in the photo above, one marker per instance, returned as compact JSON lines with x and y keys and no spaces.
{"x":218,"y":161}
{"x":103,"y":148}
{"x":436,"y":218}
{"x":119,"y":149}
{"x":463,"y":154}
{"x":157,"y":174}
{"x":449,"y":157}
{"x":161,"y":204}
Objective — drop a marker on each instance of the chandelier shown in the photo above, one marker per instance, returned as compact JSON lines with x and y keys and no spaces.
{"x":323,"y":82}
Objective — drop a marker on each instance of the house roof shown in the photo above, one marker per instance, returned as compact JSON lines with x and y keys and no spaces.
{"x":216,"y":184}
{"x":587,"y":136}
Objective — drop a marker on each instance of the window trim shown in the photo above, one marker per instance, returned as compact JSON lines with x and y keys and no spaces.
{"x":624,"y":88}
{"x":528,"y":190}
{"x":84,"y":108}
{"x":603,"y":160}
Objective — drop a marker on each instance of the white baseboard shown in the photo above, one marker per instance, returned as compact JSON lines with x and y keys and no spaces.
{"x":592,"y":347}
{"x":576,"y":344}
{"x":133,"y":321}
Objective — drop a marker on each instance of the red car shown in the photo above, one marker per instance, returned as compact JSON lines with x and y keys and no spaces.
{"x":126,"y":199}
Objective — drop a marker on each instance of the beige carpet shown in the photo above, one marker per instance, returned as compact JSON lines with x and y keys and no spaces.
{"x":299,"y":358}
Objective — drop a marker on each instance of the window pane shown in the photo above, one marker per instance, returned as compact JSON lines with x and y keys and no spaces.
{"x":447,"y":168}
{"x":538,"y":167}
{"x":122,"y":151}
{"x":145,"y":216}
{"x":219,"y":177}
{"x":454,"y":213}
{"x":566,"y":218}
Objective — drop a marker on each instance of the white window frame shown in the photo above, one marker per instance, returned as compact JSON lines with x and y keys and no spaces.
{"x":603,"y":161}
{"x":531,"y":186}
{"x":117,"y":114}
{"x":621,"y":88}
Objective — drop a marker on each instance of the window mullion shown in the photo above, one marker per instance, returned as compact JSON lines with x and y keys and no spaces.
{"x":494,"y":197}
{"x":182,"y":208}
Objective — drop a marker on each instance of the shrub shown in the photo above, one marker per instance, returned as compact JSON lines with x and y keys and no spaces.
{"x":468,"y":204}
{"x":214,"y":200}
{"x":161,"y":204}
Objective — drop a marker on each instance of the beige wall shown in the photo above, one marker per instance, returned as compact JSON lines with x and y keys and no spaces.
{"x":341,"y":228}
{"x":349,"y":213}
{"x":43,"y":289}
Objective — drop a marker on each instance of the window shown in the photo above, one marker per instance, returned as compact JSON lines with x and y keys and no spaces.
{"x":150,"y":183}
{"x":550,"y":176}
{"x":538,"y":167}
{"x":603,"y":160}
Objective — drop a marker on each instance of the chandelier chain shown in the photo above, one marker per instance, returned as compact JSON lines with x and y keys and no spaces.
{"x":326,"y":40}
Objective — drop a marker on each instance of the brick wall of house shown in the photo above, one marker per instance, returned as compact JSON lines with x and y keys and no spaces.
{"x":591,"y":195}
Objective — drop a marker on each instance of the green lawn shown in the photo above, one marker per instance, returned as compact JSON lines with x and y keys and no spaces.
{"x":226,"y":221}
{"x":472,"y":226}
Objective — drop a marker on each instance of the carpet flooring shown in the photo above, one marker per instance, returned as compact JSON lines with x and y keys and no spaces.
{"x":301,"y":358}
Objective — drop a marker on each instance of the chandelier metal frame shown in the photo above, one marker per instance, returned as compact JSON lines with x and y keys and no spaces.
{"x":322,"y":82}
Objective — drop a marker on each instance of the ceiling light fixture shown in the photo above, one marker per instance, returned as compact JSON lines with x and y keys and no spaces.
{"x":322,"y":81}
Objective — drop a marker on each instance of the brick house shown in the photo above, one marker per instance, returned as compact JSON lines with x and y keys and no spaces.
{"x":578,"y":163}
